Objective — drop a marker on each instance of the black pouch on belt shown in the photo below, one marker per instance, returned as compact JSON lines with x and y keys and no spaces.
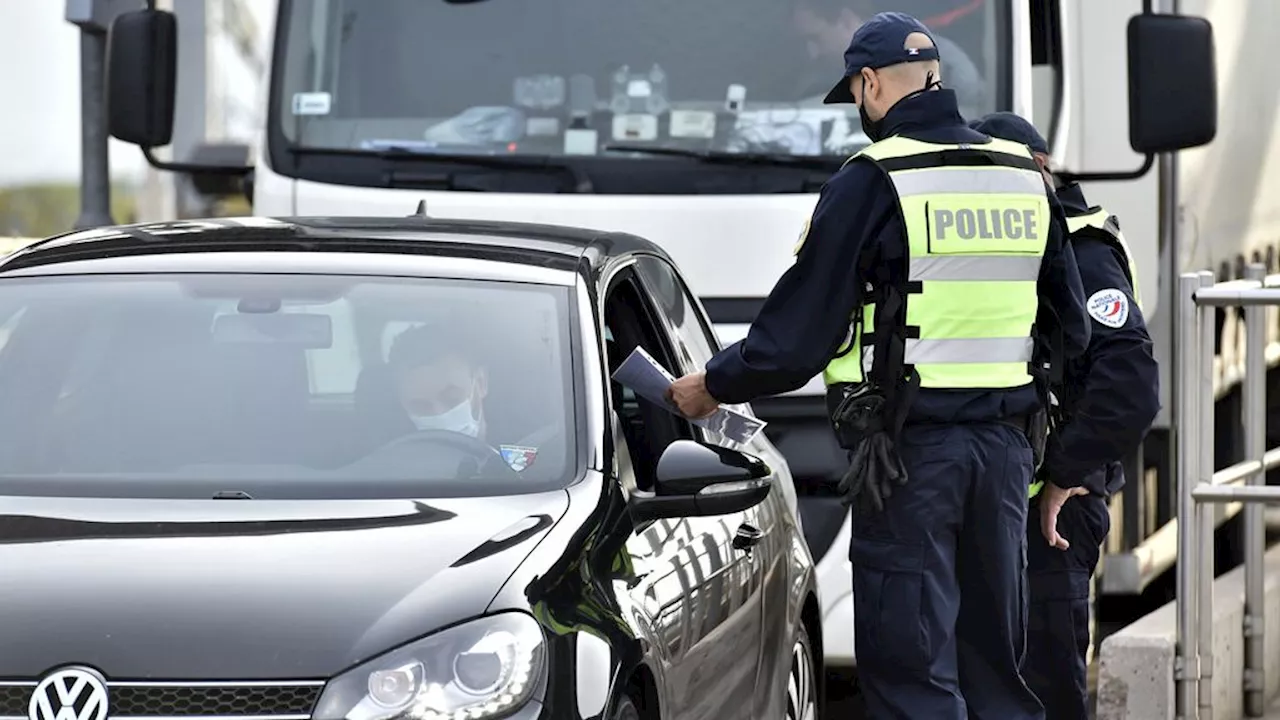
{"x":1038,"y":435}
{"x":1035,"y":428}
{"x":857,"y":414}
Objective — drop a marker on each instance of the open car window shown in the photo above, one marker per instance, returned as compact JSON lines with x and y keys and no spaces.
{"x":280,"y":386}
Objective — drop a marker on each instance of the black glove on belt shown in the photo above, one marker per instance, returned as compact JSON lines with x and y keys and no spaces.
{"x":873,"y":472}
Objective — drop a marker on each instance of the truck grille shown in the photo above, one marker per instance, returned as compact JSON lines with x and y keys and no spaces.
{"x":242,"y":701}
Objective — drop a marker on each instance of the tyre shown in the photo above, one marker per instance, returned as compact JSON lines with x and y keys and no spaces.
{"x":802,"y":683}
{"x":626,"y":710}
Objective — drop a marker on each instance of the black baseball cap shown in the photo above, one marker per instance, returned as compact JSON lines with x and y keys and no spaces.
{"x":880,"y":42}
{"x":1013,"y":127}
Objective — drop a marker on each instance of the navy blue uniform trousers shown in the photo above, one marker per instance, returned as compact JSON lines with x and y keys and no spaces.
{"x":1058,"y":627}
{"x":940,"y":598}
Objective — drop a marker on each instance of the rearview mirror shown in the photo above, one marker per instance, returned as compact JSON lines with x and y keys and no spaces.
{"x":695,"y":480}
{"x":1173,"y":98}
{"x":142,"y":60}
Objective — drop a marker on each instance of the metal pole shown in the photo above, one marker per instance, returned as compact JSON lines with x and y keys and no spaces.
{"x":1185,"y":438}
{"x":1265,"y":494}
{"x":1254,"y":421}
{"x":1205,"y":511}
{"x":95,"y":176}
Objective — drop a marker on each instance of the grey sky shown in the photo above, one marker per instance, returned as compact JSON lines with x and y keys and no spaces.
{"x":40,"y":85}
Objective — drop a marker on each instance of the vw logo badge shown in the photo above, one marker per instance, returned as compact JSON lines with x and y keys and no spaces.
{"x":74,"y":693}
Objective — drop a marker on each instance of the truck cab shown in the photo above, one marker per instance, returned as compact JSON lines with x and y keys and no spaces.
{"x":697,"y":124}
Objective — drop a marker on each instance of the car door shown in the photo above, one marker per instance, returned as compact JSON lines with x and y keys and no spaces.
{"x":696,"y":588}
{"x":738,"y":593}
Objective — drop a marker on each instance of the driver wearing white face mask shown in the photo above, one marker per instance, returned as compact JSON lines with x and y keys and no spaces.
{"x":442,"y":385}
{"x":439,"y":385}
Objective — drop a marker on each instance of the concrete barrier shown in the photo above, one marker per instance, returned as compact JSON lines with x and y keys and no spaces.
{"x":1135,"y":673}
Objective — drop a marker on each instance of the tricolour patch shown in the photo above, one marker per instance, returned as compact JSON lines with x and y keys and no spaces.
{"x":1109,"y":307}
{"x":518,"y":457}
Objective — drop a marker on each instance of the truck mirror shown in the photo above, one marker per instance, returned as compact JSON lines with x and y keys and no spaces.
{"x":142,"y":55}
{"x":1173,"y":97}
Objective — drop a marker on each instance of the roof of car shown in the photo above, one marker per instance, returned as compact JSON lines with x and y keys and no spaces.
{"x":548,"y":246}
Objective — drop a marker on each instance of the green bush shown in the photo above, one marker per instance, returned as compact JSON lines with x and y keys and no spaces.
{"x":49,"y":209}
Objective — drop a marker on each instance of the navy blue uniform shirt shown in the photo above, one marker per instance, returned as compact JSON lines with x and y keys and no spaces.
{"x":1112,"y":393}
{"x":806,"y":317}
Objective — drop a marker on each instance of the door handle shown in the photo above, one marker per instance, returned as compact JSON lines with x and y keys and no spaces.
{"x":747,"y":537}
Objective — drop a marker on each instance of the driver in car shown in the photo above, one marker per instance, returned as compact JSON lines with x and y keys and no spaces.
{"x":442,"y":385}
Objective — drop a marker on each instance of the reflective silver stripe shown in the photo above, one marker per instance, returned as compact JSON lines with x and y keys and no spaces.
{"x":968,"y":350}
{"x":992,"y":268}
{"x":1097,"y":219}
{"x":944,"y":180}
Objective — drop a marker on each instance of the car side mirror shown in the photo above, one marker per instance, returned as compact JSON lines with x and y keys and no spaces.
{"x":142,"y":62}
{"x":1173,"y":97}
{"x":695,"y":480}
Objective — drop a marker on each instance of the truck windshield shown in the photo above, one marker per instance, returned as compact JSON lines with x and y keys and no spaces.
{"x":572,"y":77}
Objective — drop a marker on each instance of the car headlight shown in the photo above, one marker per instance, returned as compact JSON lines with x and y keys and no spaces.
{"x":479,"y":670}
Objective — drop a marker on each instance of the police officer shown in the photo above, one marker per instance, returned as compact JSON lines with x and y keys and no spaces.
{"x":917,"y":285}
{"x":1109,"y":402}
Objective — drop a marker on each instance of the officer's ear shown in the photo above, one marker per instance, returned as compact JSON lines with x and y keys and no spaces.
{"x":868,"y":85}
{"x":1042,"y":161}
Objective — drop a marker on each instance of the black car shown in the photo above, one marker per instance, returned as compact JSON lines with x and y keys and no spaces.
{"x":364,"y":469}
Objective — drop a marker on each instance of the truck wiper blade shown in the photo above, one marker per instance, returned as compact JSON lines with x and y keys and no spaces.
{"x":808,"y":162}
{"x":581,"y":181}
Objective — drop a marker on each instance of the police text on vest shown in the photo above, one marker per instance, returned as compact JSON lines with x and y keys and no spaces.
{"x":985,"y":224}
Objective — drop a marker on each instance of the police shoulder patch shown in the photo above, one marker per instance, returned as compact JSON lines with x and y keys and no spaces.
{"x":1109,"y":307}
{"x":804,"y":234}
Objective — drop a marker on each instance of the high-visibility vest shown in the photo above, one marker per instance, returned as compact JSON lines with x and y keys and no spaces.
{"x":1109,"y":232}
{"x":976,"y":220}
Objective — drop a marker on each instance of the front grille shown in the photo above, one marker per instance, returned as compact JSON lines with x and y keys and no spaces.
{"x":195,"y":700}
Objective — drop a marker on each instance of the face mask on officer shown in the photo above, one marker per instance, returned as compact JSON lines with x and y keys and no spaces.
{"x":445,"y":395}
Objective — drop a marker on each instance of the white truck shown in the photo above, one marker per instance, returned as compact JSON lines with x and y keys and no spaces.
{"x":698,"y":124}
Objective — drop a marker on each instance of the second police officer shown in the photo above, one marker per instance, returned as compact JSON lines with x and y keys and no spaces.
{"x":929,"y":259}
{"x":1109,"y":400}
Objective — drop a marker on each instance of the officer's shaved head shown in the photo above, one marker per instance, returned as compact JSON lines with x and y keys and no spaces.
{"x":886,"y":86}
{"x":914,"y":73}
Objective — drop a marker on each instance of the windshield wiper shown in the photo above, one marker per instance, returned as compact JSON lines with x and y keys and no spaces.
{"x":396,"y":153}
{"x":232,"y":495}
{"x":807,"y":162}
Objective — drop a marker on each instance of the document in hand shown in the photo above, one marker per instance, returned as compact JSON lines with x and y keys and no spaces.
{"x":649,"y":380}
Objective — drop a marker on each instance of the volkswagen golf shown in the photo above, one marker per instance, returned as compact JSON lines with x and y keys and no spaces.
{"x":377,"y":469}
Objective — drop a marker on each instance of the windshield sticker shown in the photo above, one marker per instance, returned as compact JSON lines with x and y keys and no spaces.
{"x":542,"y":126}
{"x":518,"y":457}
{"x":581,"y":142}
{"x":693,"y":124}
{"x":635,"y":127}
{"x":311,"y":103}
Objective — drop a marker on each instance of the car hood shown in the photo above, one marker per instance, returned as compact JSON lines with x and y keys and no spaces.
{"x":146,"y":589}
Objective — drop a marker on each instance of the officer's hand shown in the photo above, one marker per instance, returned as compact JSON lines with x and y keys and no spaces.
{"x":689,"y":395}
{"x":1052,"y":498}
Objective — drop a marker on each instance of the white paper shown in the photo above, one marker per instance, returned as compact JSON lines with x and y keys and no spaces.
{"x":649,"y":380}
{"x":692,"y":124}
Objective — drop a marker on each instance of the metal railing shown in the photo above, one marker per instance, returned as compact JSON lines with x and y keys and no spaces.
{"x":1200,"y":489}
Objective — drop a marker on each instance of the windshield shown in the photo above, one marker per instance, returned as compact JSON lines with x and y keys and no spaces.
{"x":569,"y":77}
{"x":284,"y":386}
